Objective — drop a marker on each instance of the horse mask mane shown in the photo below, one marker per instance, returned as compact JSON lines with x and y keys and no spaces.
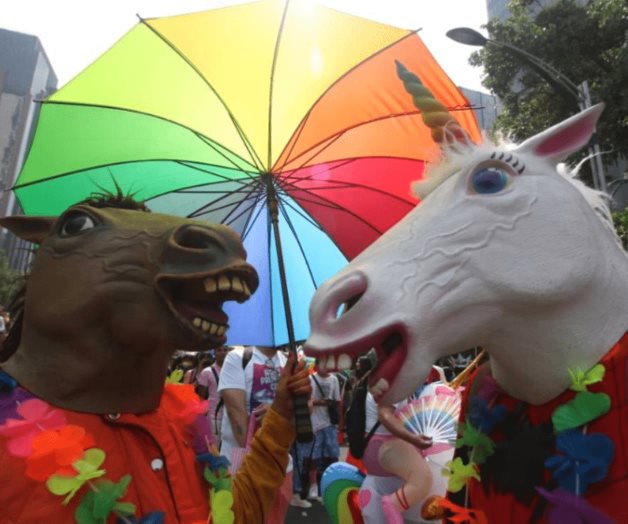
{"x":113,"y":291}
{"x":503,"y":252}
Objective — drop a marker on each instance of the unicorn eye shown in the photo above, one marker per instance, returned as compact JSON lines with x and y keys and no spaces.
{"x":489,"y":180}
{"x":76,"y":223}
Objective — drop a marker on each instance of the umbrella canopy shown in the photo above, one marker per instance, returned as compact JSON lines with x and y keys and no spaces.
{"x":211,"y":114}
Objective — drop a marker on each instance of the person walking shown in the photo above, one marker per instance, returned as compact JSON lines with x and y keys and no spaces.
{"x":247,"y":383}
{"x":207,"y":388}
{"x":325,"y":419}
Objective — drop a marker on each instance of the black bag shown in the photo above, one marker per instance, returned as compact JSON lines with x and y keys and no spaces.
{"x":355,"y":422}
{"x":332,"y":406}
{"x":334,"y":415}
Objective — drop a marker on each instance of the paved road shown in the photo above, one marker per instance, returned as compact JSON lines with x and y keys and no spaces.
{"x":314,"y":515}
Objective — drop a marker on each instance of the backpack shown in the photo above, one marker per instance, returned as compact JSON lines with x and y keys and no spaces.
{"x":355,"y":422}
{"x":246,"y":358}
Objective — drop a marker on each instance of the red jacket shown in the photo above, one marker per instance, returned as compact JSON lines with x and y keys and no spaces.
{"x":156,"y":450}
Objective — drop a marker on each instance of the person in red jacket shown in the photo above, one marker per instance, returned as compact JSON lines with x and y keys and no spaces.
{"x":88,"y":431}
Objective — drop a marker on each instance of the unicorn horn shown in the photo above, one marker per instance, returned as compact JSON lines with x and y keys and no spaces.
{"x":435,"y":115}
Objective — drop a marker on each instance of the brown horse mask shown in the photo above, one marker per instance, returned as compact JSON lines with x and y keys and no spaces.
{"x":112,"y":293}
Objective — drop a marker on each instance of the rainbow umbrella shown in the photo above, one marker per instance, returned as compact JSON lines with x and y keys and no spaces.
{"x":285,"y":120}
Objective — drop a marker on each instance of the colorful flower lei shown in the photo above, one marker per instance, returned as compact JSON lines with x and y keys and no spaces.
{"x":581,"y":459}
{"x":65,"y":458}
{"x":217,"y":474}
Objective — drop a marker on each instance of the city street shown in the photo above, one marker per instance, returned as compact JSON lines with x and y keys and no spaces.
{"x":314,"y":515}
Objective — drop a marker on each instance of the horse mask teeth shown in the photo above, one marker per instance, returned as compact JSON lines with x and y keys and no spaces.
{"x":236,"y":285}
{"x":224,"y":284}
{"x":210,"y":285}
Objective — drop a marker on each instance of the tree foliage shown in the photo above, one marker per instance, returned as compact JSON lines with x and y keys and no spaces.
{"x":587,"y":42}
{"x":10,"y":280}
{"x":621,"y":225}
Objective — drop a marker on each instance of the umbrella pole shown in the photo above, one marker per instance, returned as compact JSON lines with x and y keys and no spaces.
{"x":302,"y":419}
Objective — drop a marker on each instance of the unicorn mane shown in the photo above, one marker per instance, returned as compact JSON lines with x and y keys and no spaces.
{"x":598,"y":200}
{"x":451,"y":162}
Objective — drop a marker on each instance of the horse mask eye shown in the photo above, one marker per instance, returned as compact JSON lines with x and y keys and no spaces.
{"x":76,"y":223}
{"x":488,"y":180}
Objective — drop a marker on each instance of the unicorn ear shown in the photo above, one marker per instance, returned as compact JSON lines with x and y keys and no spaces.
{"x":559,"y":141}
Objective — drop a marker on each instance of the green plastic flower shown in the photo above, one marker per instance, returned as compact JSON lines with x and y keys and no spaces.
{"x":97,"y":505}
{"x":458,"y":473}
{"x":222,"y":502}
{"x":581,"y":410}
{"x":175,"y":377}
{"x":87,"y":469}
{"x":483,"y":446}
{"x":580,"y":380}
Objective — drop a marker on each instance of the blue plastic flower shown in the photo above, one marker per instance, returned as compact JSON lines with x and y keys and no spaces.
{"x":7,"y":383}
{"x":586,"y":459}
{"x":483,"y":417}
{"x":156,"y":517}
{"x":214,"y":462}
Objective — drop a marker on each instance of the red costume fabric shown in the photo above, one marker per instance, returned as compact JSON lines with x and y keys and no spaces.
{"x":609,"y":494}
{"x":156,"y":449}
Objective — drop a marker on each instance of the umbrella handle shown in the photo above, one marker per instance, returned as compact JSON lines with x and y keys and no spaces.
{"x":302,"y":420}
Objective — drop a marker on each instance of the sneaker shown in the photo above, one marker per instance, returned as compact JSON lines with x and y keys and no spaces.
{"x":432,"y":509}
{"x":298,"y":502}
{"x":313,"y":493}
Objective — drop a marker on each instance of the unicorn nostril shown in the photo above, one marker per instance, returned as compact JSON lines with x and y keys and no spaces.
{"x":345,"y":306}
{"x":336,"y":297}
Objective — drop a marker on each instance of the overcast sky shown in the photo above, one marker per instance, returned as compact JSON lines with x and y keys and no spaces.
{"x":75,"y":32}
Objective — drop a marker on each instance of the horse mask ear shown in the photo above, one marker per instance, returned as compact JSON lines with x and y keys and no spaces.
{"x":33,"y":229}
{"x":559,"y":141}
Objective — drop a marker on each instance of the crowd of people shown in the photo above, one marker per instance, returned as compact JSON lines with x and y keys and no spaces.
{"x":240,"y":383}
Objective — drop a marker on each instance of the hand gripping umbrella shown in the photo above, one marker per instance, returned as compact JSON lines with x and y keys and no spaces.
{"x":283,"y":119}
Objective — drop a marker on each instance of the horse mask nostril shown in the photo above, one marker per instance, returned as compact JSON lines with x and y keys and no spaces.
{"x":194,"y":237}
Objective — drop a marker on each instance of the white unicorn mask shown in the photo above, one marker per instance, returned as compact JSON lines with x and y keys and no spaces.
{"x":504,"y":252}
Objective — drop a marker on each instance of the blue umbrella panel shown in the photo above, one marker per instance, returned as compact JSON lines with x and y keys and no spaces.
{"x":310,"y":255}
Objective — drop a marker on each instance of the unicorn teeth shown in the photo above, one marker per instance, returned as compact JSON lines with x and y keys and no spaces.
{"x":334,"y":362}
{"x":344,"y":362}
{"x":382,"y":385}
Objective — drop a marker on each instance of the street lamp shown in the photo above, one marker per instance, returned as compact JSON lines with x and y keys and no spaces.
{"x":562,"y":84}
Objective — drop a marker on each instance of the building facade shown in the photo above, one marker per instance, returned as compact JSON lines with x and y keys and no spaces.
{"x":499,"y":8}
{"x":26,"y":76}
{"x":487,"y":107}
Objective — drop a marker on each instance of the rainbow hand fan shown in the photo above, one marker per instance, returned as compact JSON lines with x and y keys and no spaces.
{"x":433,"y":415}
